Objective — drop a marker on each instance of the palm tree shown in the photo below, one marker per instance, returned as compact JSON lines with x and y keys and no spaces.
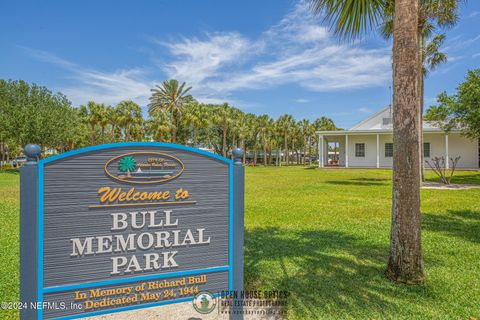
{"x":254,"y":132}
{"x":305,"y":126}
{"x":101,"y":113}
{"x":285,"y":124}
{"x":352,"y":18}
{"x":433,"y":15}
{"x":222,"y":118}
{"x":296,"y":135}
{"x":233,"y":119}
{"x":264,"y":126}
{"x":159,"y":126}
{"x":113,"y":120}
{"x":127,"y":164}
{"x":196,"y":116}
{"x":243,"y":129}
{"x":129,"y":116}
{"x":89,"y":116}
{"x":172,"y":97}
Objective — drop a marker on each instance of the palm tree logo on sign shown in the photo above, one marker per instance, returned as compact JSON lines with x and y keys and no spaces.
{"x":144,"y":167}
{"x":204,"y":302}
{"x":127,"y":164}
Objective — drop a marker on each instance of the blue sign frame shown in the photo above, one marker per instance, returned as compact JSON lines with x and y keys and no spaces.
{"x":40,"y":205}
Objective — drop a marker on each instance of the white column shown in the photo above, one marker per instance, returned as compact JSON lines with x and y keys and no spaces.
{"x":320,"y":151}
{"x":346,"y":151}
{"x":378,"y":150}
{"x":447,"y":161}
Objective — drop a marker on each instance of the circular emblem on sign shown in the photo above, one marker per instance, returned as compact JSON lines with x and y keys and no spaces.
{"x":144,"y":167}
{"x":204,"y":302}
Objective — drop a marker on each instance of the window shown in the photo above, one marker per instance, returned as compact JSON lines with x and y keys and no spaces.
{"x":388,"y":150}
{"x":360,"y":150}
{"x":386,"y":121}
{"x":426,"y":149}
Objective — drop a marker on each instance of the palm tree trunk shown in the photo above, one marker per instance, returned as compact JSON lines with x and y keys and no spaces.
{"x":421,"y":90}
{"x":233,"y":145}
{"x":255,"y":153}
{"x":304,"y":161}
{"x":93,"y":135}
{"x":113,"y":133}
{"x":127,"y":132}
{"x":405,"y":263}
{"x":244,"y":152}
{"x":310,"y":151}
{"x":264,"y":154}
{"x":195,"y":134}
{"x":174,"y":127}
{"x":224,"y":143}
{"x":286,"y":149}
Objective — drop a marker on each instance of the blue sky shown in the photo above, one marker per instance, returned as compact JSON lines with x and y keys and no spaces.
{"x":269,"y":56}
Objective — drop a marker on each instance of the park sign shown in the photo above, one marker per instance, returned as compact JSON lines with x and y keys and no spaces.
{"x":116,"y":227}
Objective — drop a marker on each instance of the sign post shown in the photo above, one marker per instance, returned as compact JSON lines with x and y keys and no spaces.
{"x":131,"y":225}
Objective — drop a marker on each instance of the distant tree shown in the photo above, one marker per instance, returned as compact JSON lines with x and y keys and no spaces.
{"x":172,"y":97}
{"x":285,"y":124}
{"x":130,"y":118}
{"x":461,"y":109}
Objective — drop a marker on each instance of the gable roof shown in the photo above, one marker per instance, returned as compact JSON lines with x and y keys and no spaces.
{"x":375,"y":121}
{"x":381,"y":121}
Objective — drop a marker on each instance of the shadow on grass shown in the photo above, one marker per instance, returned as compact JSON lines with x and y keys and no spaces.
{"x":11,"y":171}
{"x":473,"y":178}
{"x":457,"y":223}
{"x":365,"y":183}
{"x":326,"y":272}
{"x":372,"y":179}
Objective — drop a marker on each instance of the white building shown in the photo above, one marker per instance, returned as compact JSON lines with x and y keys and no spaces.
{"x":369,"y":144}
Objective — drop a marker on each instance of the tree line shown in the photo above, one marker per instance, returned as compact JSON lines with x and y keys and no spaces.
{"x":33,"y":114}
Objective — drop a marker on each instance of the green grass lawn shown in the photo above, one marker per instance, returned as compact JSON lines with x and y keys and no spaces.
{"x":323,"y":235}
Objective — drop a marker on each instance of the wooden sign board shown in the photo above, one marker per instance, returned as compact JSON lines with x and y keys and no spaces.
{"x":116,"y":227}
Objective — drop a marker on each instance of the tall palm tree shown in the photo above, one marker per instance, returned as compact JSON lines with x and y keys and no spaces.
{"x":101,"y":113}
{"x":285,"y":124}
{"x":254,"y":132}
{"x":196,"y":116}
{"x":433,"y":15}
{"x":130,"y":115}
{"x":233,"y":120}
{"x":264,"y":126}
{"x":296,"y":135}
{"x":352,"y":18}
{"x":159,"y":126}
{"x":243,"y":130}
{"x":170,"y":96}
{"x":113,"y":120}
{"x":89,"y":116}
{"x":305,"y":125}
{"x":221,"y":117}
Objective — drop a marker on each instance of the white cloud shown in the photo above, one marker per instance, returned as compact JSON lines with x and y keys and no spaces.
{"x":474,"y":14}
{"x":364,"y":110}
{"x":302,"y":100}
{"x":102,"y":87}
{"x":199,"y":60}
{"x":297,"y":51}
